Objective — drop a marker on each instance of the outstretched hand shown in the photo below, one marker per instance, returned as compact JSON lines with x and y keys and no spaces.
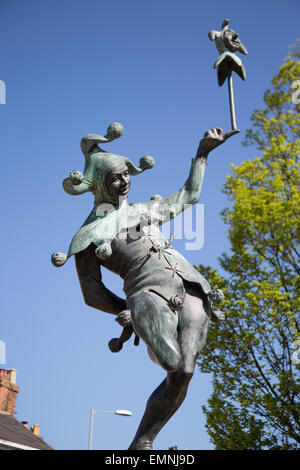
{"x":212,"y":139}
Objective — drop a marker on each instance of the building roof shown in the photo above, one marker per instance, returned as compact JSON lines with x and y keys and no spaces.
{"x":14,"y":432}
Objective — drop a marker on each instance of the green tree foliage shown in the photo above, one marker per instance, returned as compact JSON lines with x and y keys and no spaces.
{"x":255,"y":402}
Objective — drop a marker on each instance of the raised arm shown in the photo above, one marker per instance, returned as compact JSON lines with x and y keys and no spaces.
{"x":170,"y":206}
{"x":190,"y":192}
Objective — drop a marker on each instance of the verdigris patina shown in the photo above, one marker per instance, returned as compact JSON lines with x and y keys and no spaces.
{"x":168,"y":303}
{"x":228,"y":43}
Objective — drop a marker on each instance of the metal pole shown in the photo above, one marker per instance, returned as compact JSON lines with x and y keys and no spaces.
{"x":231,"y":101}
{"x":91,"y":428}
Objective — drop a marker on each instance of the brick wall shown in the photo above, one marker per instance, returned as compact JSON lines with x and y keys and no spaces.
{"x":8,"y":396}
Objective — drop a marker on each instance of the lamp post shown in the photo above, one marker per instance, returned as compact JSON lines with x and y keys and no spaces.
{"x":93,"y":411}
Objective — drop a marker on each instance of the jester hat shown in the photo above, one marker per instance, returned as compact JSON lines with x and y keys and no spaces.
{"x":98,"y":164}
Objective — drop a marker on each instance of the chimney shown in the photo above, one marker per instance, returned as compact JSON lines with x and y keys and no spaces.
{"x":11,"y":375}
{"x":25,"y":424}
{"x":35,"y":429}
{"x":8,"y":391}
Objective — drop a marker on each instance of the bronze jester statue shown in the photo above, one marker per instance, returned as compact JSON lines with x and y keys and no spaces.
{"x":168,"y":303}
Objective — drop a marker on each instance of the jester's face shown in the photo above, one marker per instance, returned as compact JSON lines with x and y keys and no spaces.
{"x":231,"y":40}
{"x":118,"y":181}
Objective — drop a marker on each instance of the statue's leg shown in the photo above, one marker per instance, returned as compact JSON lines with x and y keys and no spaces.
{"x":161,"y":406}
{"x":192,"y":327}
{"x":167,"y":398}
{"x":155,"y":323}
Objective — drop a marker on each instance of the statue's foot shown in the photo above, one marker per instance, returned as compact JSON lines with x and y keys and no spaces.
{"x":141,"y":445}
{"x":124,"y":318}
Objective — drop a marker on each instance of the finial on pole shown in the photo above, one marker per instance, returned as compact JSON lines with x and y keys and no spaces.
{"x":228,"y":43}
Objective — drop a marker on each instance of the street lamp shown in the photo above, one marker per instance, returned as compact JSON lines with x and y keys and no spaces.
{"x":116,"y":412}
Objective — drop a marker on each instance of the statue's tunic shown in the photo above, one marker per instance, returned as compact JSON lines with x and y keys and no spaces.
{"x":142,"y":267}
{"x":145,"y":261}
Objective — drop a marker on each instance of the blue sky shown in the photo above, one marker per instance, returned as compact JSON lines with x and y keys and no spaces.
{"x":73,"y":67}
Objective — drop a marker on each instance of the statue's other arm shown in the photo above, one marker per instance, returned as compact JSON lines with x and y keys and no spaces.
{"x":94,"y":292}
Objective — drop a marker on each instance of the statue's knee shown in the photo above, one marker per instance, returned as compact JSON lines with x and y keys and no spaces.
{"x":171,"y":362}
